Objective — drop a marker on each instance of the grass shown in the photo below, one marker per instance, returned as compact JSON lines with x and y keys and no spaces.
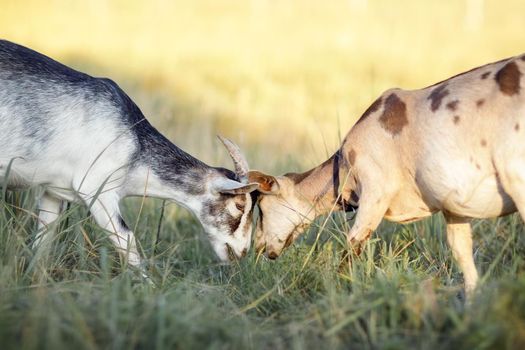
{"x":403,"y":292}
{"x":258,"y":72}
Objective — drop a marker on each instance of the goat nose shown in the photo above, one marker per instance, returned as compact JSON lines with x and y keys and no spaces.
{"x":272,"y":255}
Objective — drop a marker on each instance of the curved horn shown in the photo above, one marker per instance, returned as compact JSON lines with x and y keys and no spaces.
{"x":240,"y":163}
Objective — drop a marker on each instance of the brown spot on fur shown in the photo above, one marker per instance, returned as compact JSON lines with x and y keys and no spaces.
{"x":233,"y":223}
{"x":480,"y":102}
{"x":508,"y":79}
{"x":351,"y":157}
{"x":456,"y":119}
{"x":485,"y":75}
{"x":453,"y":105}
{"x":218,"y":215}
{"x":478,"y":167}
{"x":371,"y":109}
{"x":394,"y":117}
{"x":436,"y":96}
{"x":213,"y":209}
{"x":523,"y":58}
{"x":517,"y":127}
{"x":483,"y":142}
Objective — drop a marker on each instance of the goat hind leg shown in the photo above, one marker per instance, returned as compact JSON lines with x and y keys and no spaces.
{"x":49,"y":209}
{"x":513,"y":181}
{"x":459,"y":238}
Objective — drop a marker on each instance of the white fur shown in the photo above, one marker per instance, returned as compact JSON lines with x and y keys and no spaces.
{"x":84,"y":140}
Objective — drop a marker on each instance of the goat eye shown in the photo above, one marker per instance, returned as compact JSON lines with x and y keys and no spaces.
{"x":239,"y":206}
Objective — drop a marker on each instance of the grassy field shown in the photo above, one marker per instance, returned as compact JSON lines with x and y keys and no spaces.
{"x":403,"y":292}
{"x":286,"y":80}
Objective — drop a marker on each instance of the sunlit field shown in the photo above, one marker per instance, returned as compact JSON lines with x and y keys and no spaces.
{"x":285,"y":80}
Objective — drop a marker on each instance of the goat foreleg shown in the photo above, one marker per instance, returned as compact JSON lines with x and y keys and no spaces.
{"x":49,"y":209}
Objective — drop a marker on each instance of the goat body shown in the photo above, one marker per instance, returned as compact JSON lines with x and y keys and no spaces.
{"x":455,"y":147}
{"x":85,"y":140}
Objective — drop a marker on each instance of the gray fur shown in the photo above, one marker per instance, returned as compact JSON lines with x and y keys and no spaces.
{"x":68,"y":130}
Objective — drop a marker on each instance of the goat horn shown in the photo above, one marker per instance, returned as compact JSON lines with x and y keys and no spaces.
{"x":240,"y":163}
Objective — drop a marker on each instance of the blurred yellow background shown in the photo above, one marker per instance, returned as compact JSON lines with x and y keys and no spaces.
{"x":285,"y":79}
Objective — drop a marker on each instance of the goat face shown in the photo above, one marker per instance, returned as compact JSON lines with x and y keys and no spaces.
{"x":227,"y":209}
{"x":283,"y":214}
{"x":227,"y":217}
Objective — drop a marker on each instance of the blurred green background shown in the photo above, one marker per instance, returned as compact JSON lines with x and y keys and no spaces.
{"x":285,"y":79}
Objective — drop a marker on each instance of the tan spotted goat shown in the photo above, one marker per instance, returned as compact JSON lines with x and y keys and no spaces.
{"x":457,"y":147}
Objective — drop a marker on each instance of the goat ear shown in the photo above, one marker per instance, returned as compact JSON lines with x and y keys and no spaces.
{"x":267,"y":183}
{"x":227,"y":186}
